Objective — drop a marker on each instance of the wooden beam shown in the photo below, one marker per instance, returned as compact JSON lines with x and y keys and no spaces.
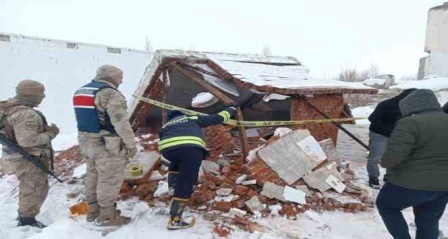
{"x":164,"y":95}
{"x":242,"y":130}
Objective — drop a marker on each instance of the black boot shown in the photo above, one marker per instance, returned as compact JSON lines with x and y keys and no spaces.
{"x":176,"y":221}
{"x":30,"y":221}
{"x":172,"y":178}
{"x":374,"y":183}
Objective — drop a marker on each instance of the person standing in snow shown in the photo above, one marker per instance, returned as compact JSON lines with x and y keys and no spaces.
{"x":181,"y":142}
{"x":416,"y":160}
{"x":29,"y":129}
{"x":445,"y":108}
{"x":107,"y":142}
{"x":382,"y":122}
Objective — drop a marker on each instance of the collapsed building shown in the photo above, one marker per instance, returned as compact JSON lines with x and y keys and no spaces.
{"x":254,"y":171}
{"x":249,"y":170}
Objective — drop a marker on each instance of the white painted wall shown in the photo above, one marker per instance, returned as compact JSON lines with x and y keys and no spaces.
{"x":437,"y":64}
{"x":437,"y":29}
{"x":63,"y":71}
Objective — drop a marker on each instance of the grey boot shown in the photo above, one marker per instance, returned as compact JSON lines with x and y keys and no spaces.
{"x":94,"y":212}
{"x":111,"y":217}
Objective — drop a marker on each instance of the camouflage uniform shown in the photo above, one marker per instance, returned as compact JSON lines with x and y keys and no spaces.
{"x":28,"y":127}
{"x":105,"y":155}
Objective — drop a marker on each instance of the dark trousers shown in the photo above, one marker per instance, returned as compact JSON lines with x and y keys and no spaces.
{"x":428,"y":209}
{"x":186,"y":161}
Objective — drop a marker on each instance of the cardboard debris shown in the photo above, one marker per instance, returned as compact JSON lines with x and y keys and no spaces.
{"x":335,"y":183}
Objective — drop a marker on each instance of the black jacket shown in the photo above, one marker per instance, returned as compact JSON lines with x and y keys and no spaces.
{"x":445,"y":108}
{"x":182,"y":130}
{"x":386,"y":114}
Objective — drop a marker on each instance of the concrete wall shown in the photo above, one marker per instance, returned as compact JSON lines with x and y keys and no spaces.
{"x":437,"y":64}
{"x":63,"y":67}
{"x":437,"y":29}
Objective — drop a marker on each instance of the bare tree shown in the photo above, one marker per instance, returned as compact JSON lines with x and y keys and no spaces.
{"x":354,"y":75}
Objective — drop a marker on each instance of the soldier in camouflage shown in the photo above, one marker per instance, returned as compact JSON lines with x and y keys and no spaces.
{"x":28,"y":128}
{"x":107,"y":143}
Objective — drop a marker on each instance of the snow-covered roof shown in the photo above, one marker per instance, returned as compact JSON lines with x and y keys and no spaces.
{"x":272,"y":74}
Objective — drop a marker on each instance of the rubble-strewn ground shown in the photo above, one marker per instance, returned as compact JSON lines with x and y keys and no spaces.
{"x":151,"y":220}
{"x":317,"y":220}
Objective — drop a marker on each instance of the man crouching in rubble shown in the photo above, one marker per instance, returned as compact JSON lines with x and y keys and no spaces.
{"x":107,"y":142}
{"x":416,"y":160}
{"x":181,"y":142}
{"x":28,"y":128}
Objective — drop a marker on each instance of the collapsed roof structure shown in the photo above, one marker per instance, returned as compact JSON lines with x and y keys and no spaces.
{"x":267,"y":88}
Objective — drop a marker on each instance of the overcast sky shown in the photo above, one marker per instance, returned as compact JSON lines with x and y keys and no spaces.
{"x":325,"y":35}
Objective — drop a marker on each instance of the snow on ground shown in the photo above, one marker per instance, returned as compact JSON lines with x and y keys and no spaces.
{"x":152,"y":221}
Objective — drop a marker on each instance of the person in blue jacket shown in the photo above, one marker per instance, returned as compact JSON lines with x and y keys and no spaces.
{"x":181,"y":142}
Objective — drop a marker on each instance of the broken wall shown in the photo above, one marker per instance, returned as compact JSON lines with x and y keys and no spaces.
{"x":330,"y":104}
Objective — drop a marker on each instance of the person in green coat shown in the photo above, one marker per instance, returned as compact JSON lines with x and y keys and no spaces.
{"x":416,"y":160}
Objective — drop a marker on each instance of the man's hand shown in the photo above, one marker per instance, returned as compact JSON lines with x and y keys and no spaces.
{"x":130,"y":152}
{"x":52,"y":130}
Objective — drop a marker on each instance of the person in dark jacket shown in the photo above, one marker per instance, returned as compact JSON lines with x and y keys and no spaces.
{"x":416,"y":160}
{"x":382,"y":122}
{"x":181,"y":142}
{"x":445,"y":108}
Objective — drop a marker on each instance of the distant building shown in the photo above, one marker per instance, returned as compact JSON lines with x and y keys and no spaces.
{"x":436,"y":43}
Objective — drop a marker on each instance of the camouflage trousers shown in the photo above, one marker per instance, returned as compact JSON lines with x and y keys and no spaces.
{"x":33,"y":186}
{"x":105,"y":170}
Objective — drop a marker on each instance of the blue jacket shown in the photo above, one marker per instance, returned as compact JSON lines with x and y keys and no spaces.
{"x":182,"y":130}
{"x":88,"y":117}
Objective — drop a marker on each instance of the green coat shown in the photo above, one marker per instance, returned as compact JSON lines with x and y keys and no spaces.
{"x":417,"y":153}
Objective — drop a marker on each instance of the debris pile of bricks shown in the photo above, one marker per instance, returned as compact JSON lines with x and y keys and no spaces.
{"x":66,"y":161}
{"x":231,"y":185}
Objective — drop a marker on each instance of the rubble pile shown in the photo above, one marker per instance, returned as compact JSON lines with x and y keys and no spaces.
{"x":287,"y":175}
{"x":66,"y":161}
{"x":284,"y":175}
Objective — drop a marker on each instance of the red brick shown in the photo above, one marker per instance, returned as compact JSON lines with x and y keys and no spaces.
{"x":250,"y":193}
{"x":225,"y":170}
{"x":210,"y":195}
{"x":240,"y":190}
{"x":262,"y":199}
{"x":239,"y":203}
{"x":215,"y":179}
{"x":210,"y":185}
{"x":222,"y":206}
{"x":199,"y":198}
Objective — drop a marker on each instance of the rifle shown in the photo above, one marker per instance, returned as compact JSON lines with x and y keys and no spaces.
{"x":16,"y":148}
